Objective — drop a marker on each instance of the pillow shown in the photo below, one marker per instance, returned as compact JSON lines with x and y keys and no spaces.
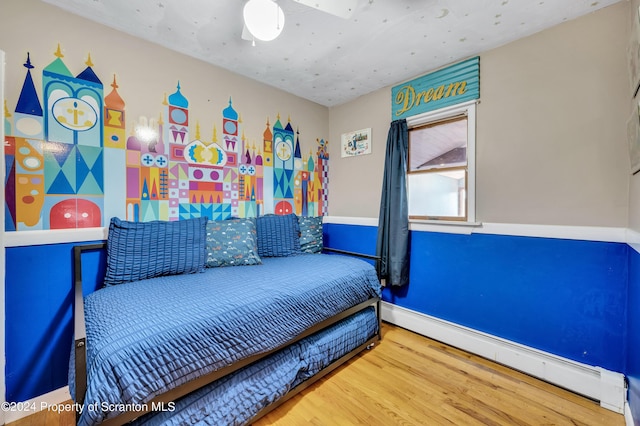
{"x":310,"y":234}
{"x":232,"y":242}
{"x":141,"y":250}
{"x":278,"y":236}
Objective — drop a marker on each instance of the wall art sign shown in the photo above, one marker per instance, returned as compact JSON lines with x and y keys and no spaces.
{"x":633,"y":136}
{"x":72,"y":162}
{"x":449,"y":86}
{"x":633,"y":122}
{"x":356,"y":143}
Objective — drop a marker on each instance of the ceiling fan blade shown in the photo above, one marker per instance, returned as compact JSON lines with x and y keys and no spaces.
{"x":246,"y":34}
{"x":341,"y":8}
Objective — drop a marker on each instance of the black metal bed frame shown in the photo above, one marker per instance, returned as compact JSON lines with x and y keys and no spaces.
{"x":80,"y":342}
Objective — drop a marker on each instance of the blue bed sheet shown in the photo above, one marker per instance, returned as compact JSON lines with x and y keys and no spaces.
{"x":235,"y":399}
{"x":147,"y":337}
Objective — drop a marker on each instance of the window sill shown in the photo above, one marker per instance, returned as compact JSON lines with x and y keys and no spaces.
{"x":448,"y":226}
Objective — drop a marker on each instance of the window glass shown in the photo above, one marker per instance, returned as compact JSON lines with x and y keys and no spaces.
{"x":438,"y":145}
{"x":437,"y":178}
{"x":439,"y":194}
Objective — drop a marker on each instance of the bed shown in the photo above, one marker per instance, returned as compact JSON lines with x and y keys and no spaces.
{"x":219,"y":344}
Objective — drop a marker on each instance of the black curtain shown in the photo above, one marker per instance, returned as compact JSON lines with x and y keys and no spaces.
{"x":393,"y":222}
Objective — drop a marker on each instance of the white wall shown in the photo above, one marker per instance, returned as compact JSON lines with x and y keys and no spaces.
{"x":552,"y":144}
{"x":551,"y":130}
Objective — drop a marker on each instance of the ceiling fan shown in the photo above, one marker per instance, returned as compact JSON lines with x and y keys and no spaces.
{"x":264,"y":19}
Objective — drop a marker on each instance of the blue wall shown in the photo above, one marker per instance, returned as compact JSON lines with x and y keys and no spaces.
{"x":565,"y":297}
{"x":562,"y":296}
{"x":39,"y":300}
{"x":633,"y":346}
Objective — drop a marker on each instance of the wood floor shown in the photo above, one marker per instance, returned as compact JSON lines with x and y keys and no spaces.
{"x":408,"y":379}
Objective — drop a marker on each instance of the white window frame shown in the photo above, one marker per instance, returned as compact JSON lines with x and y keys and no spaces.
{"x":468,"y":109}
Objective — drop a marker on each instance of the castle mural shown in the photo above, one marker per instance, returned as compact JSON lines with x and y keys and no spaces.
{"x":72,"y":162}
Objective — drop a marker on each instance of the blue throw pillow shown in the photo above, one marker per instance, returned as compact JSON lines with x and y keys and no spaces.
{"x":141,"y":250}
{"x":278,"y":236}
{"x":310,"y":234}
{"x":232,"y":242}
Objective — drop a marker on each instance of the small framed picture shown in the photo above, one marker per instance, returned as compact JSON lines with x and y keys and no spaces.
{"x":356,"y":143}
{"x":633,"y":135}
{"x":633,"y":55}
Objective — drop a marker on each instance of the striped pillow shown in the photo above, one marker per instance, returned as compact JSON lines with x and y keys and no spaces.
{"x":278,"y":236}
{"x":141,"y":250}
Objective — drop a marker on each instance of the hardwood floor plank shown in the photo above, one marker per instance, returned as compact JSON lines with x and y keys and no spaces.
{"x":446,"y":380}
{"x":408,"y":379}
{"x":432,"y":383}
{"x":498,"y":386}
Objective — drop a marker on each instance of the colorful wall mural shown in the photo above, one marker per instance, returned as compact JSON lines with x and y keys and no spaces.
{"x":72,"y":162}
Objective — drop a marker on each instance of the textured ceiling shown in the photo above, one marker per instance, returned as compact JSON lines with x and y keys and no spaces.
{"x":327,"y":59}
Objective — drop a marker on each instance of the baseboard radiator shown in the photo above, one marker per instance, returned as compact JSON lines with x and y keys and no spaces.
{"x":602,"y":385}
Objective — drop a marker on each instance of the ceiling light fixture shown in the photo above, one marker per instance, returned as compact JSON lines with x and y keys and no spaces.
{"x":263,"y":18}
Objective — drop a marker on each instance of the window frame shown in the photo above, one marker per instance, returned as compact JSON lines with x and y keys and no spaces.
{"x":443,"y":114}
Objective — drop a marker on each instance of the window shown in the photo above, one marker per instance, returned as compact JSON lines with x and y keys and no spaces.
{"x":441,"y":164}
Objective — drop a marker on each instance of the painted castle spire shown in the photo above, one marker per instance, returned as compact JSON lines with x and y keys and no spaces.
{"x":283,"y":168}
{"x":114,"y":118}
{"x":28,"y":113}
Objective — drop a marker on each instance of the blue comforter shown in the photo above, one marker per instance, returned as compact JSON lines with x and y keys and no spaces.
{"x":146,"y":337}
{"x":236,"y":398}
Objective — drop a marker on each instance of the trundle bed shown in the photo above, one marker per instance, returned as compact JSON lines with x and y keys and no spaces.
{"x":218,"y":339}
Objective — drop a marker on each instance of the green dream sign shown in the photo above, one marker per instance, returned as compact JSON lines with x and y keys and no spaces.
{"x":452,"y":85}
